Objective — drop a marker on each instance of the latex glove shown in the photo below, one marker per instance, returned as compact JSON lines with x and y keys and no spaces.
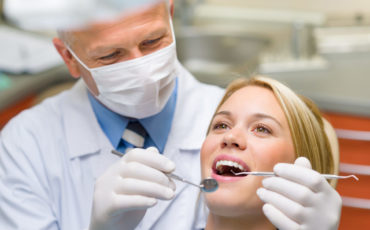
{"x":300,"y":198}
{"x":130,"y":186}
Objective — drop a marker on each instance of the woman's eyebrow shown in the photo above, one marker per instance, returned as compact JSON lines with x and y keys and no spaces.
{"x":266,"y":116}
{"x":227,"y":113}
{"x":256,"y":115}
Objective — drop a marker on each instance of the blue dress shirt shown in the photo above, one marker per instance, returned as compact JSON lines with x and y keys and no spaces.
{"x":157,"y":126}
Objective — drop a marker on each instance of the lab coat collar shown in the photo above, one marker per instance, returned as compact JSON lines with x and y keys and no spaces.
{"x":81,"y":126}
{"x":185,"y":123}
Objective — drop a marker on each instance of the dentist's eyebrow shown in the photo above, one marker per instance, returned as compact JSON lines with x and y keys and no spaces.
{"x":266,"y":116}
{"x":156,"y":33}
{"x":100,"y":50}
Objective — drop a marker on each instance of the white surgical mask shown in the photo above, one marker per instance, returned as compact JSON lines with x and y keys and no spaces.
{"x":139,"y":87}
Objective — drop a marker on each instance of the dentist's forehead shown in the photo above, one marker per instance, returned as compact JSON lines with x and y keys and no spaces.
{"x":157,"y":10}
{"x":136,"y":19}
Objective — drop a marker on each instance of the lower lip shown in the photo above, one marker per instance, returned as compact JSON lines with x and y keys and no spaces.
{"x":220,"y":178}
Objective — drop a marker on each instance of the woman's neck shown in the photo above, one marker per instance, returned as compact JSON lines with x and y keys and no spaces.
{"x":252,"y":222}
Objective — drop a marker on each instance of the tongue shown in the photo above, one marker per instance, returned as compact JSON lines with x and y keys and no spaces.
{"x":228,"y":171}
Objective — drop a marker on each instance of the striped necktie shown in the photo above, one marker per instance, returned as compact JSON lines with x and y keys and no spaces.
{"x":133,"y":136}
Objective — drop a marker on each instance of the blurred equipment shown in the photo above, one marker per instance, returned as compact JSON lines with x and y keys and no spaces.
{"x":23,"y":52}
{"x":51,"y":14}
{"x":218,"y":56}
{"x":1,"y":9}
{"x":5,"y":81}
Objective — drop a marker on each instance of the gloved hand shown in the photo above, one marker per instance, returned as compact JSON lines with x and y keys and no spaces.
{"x":300,"y":198}
{"x":130,"y":186}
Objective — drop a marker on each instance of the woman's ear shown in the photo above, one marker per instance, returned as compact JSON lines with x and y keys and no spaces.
{"x":68,"y":59}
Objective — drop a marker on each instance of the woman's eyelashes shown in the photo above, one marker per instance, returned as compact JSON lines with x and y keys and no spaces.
{"x":261,"y":129}
{"x":220,"y":126}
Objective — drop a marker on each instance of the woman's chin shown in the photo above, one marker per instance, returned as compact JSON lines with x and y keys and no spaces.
{"x":225,"y":204}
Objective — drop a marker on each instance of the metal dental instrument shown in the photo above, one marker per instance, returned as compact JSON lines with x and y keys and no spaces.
{"x":327,"y":176}
{"x":206,"y":185}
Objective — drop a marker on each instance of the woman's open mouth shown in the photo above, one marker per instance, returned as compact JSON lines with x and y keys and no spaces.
{"x":228,"y":166}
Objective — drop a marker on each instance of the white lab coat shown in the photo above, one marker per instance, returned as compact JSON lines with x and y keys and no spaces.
{"x":50,"y":156}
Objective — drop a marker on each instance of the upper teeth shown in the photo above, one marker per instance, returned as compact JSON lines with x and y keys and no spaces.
{"x":229,"y":163}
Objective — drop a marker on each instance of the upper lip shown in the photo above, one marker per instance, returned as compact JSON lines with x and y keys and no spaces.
{"x":230,"y":160}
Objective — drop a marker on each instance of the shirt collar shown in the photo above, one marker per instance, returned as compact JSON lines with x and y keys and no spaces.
{"x":110,"y":122}
{"x":157,"y":126}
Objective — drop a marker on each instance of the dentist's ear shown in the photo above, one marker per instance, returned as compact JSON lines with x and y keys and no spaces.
{"x":67,"y":57}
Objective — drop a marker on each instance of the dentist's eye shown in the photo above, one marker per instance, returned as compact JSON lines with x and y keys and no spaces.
{"x":110,"y":56}
{"x":152,"y":42}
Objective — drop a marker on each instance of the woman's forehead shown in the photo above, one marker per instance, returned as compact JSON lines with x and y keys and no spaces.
{"x":253,"y":99}
{"x":251,"y":95}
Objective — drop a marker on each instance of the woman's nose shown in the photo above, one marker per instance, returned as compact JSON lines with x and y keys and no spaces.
{"x":235,"y":137}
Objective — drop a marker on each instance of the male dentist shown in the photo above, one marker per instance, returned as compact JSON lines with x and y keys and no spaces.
{"x":56,"y":166}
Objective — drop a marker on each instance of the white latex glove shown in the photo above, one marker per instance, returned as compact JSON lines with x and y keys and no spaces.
{"x":130,"y":186}
{"x":300,"y":198}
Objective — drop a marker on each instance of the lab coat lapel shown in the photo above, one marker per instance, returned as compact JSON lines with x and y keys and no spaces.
{"x":83,"y":133}
{"x":182,"y":146}
{"x":80,"y":124}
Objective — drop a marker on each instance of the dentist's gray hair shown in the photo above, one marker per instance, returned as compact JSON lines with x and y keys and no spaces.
{"x":67,"y":35}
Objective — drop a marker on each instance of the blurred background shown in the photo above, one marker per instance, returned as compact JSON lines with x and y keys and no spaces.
{"x":320,"y":48}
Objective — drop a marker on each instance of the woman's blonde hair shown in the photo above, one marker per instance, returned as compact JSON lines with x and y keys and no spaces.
{"x":304,"y":119}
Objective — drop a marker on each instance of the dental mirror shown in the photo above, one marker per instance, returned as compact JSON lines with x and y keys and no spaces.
{"x":209,"y":185}
{"x":206,"y":185}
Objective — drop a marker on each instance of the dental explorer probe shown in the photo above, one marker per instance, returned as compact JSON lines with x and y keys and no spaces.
{"x":206,"y":185}
{"x":327,"y":176}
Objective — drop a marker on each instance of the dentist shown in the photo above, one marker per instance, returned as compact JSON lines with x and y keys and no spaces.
{"x":133,"y":95}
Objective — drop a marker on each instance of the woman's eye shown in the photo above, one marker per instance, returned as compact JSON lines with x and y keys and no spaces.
{"x":220,"y":126}
{"x":262,"y":129}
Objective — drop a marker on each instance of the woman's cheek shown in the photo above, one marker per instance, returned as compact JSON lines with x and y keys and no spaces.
{"x":208,"y":148}
{"x":205,"y":150}
{"x":273,"y":154}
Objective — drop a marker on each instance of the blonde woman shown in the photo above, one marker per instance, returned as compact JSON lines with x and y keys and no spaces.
{"x":262,"y":125}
